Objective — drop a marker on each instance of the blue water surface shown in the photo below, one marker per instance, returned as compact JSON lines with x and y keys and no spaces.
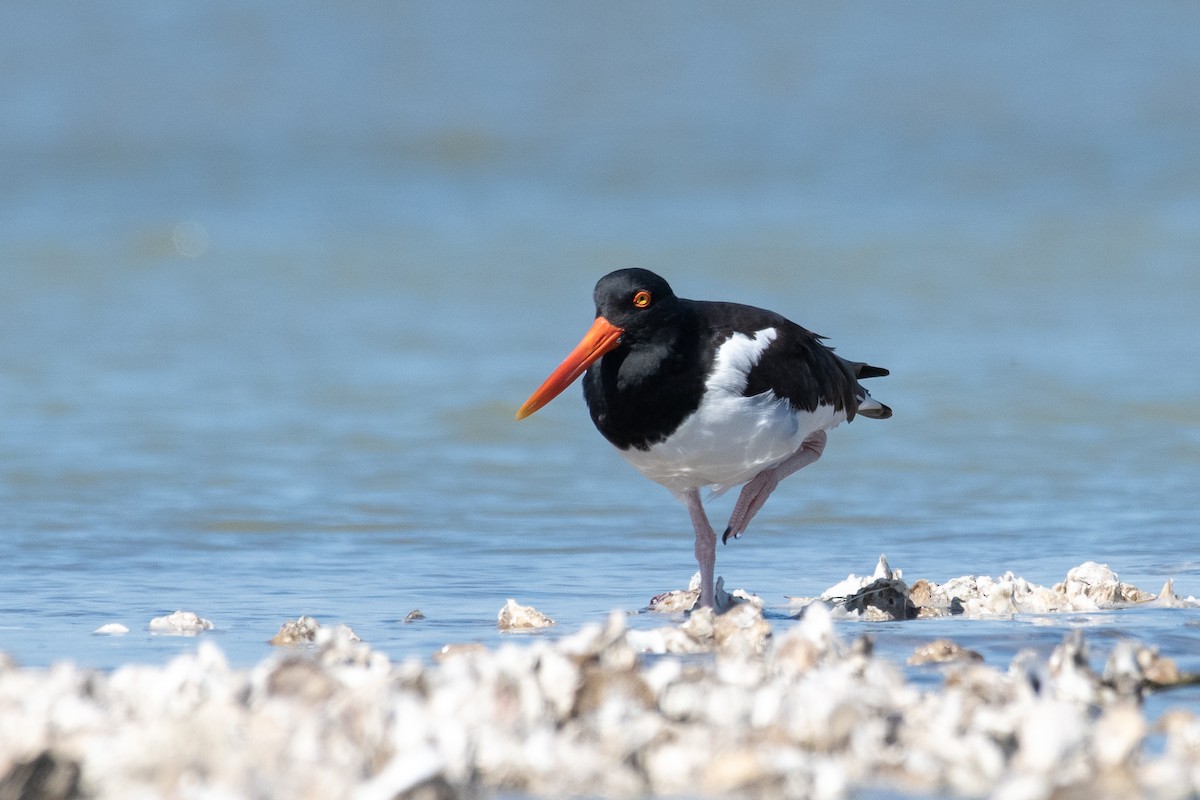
{"x":273,"y":282}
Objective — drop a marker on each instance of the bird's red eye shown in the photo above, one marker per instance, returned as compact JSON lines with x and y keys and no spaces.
{"x":641,"y":299}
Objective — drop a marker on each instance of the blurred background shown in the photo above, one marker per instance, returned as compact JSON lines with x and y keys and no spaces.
{"x":274,"y":279}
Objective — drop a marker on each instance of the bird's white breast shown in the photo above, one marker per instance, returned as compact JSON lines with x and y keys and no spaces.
{"x":730,"y":438}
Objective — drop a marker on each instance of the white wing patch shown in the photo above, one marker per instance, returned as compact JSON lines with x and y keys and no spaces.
{"x":730,"y":438}
{"x":735,"y":358}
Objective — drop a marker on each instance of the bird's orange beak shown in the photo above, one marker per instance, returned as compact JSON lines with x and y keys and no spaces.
{"x":600,"y":338}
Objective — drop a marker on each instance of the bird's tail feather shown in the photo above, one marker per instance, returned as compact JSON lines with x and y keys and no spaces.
{"x":862,"y":370}
{"x":873,"y":409}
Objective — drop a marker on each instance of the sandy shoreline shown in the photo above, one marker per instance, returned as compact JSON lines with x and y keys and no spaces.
{"x":718,"y":705}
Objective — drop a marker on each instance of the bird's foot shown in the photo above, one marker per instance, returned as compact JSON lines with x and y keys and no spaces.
{"x":754,"y":495}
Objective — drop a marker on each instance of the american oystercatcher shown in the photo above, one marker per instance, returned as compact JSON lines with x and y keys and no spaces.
{"x":699,"y":394}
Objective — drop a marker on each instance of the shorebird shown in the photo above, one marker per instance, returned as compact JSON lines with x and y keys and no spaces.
{"x":698,"y":394}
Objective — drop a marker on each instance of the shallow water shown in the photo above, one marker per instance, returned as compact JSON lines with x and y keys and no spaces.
{"x":274,"y":285}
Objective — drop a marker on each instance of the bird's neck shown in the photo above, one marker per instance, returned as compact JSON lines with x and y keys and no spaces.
{"x":643,"y":390}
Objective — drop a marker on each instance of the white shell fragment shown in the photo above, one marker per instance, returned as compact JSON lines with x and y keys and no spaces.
{"x":515,"y":617}
{"x":296,"y":631}
{"x":680,"y":600}
{"x":181,"y":623}
{"x":111,"y":629}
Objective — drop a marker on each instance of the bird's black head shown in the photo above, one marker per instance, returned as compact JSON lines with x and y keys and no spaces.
{"x":638,"y":319}
{"x":634,"y":300}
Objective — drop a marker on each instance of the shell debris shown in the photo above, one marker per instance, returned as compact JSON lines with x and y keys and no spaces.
{"x":516,"y":617}
{"x":720,"y":704}
{"x":296,"y":631}
{"x":180,"y":623}
{"x":1087,"y":587}
{"x":943,"y":651}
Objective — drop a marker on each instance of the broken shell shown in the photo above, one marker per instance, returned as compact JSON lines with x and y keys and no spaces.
{"x":301,"y":678}
{"x":1118,"y":735}
{"x":514,"y":617}
{"x":675,"y":601}
{"x":296,"y":631}
{"x":681,"y":600}
{"x":885,"y":598}
{"x":1091,"y":585}
{"x":181,"y":623}
{"x":942,"y":651}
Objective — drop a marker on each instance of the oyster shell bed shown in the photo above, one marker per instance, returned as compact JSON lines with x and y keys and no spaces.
{"x":729,"y":705}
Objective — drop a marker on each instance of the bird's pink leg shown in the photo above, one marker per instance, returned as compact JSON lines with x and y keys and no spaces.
{"x":706,"y":546}
{"x":755,"y":493}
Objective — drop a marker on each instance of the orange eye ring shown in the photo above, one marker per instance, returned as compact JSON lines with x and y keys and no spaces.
{"x":641,"y":299}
